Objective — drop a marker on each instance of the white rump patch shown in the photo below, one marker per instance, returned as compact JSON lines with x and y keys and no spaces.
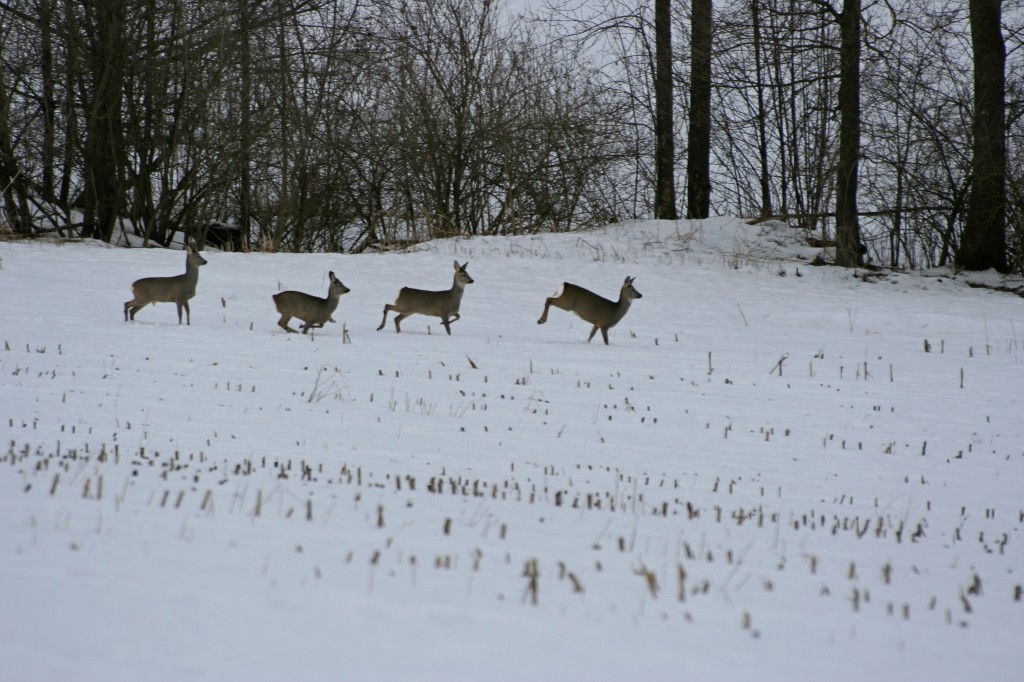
{"x":561,"y":290}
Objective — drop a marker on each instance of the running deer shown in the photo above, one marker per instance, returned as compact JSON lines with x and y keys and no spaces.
{"x":312,"y":310}
{"x":597,"y":310}
{"x":178,"y":289}
{"x":443,"y":304}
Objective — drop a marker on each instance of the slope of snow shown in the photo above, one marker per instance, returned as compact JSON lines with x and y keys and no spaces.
{"x":775,"y":471}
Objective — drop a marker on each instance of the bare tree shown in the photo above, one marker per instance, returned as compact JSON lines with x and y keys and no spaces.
{"x":13,"y":184}
{"x":698,"y":150}
{"x":773,"y":140}
{"x":246,"y":134}
{"x":106,"y":49}
{"x":917,"y":169}
{"x":664,"y":133}
{"x":983,"y":245}
{"x":761,"y":112}
{"x":330,"y":125}
{"x":849,"y":250}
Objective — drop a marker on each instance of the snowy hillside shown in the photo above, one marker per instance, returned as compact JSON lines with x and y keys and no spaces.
{"x":774,"y":471}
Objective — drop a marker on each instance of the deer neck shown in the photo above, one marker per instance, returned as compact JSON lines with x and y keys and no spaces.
{"x":191,"y":271}
{"x":332,"y":300}
{"x":457,"y":289}
{"x":622,"y":306}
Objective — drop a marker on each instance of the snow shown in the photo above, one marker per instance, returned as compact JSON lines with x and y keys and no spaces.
{"x":775,"y":471}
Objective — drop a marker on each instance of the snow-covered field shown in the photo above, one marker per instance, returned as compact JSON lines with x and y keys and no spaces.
{"x":774,"y":472}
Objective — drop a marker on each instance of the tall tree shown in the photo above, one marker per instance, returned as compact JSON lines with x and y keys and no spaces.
{"x":664,"y":135}
{"x":245,"y":128}
{"x":13,"y":188}
{"x":983,"y":244}
{"x":698,"y":151}
{"x":762,"y":109}
{"x":849,"y":251}
{"x":106,"y":53}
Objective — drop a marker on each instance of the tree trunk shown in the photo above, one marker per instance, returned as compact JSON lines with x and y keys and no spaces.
{"x":104,"y":146}
{"x":13,"y":188}
{"x":762,"y":110}
{"x":983,"y":244}
{"x":664,"y":143}
{"x":245,"y":133}
{"x":698,"y":151}
{"x":849,"y":250}
{"x":48,"y":102}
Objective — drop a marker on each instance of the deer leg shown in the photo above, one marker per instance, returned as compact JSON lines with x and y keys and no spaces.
{"x":544,"y":315}
{"x":592,"y":332}
{"x":127,"y":305}
{"x":604,"y":333}
{"x":398,"y":321}
{"x":450,"y":321}
{"x":283,"y":324}
{"x":387,"y":308}
{"x":131,"y":308}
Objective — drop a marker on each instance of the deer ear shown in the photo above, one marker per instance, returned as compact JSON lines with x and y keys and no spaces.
{"x":465,"y":265}
{"x":456,"y":265}
{"x":331,"y":275}
{"x":629,"y":280}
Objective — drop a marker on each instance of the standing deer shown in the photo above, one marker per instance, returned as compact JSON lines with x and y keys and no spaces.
{"x":443,"y":304}
{"x":312,"y":310}
{"x":178,"y":289}
{"x":597,"y":310}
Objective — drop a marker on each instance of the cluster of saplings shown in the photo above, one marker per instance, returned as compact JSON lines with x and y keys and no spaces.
{"x":315,"y":312}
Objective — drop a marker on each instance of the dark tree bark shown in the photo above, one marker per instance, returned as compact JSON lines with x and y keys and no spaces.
{"x":48,"y":103}
{"x":698,"y":151}
{"x":983,"y":244}
{"x":849,"y":250}
{"x":102,"y":171}
{"x":245,"y":133}
{"x":762,"y":110}
{"x":664,"y":144}
{"x":13,"y":188}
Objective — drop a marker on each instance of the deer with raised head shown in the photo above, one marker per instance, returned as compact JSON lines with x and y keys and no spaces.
{"x":597,"y":310}
{"x":443,"y":304}
{"x":178,"y":289}
{"x":314,"y":311}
